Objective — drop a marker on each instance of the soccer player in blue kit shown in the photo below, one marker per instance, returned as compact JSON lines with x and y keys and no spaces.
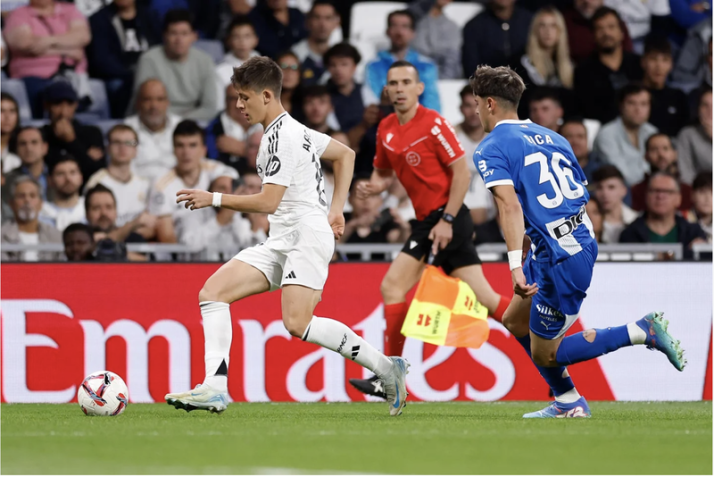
{"x":540,"y":191}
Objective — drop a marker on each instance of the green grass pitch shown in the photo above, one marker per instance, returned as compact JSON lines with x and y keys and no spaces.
{"x":443,"y":438}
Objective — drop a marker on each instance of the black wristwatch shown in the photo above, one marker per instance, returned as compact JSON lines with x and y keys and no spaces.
{"x":448,"y":218}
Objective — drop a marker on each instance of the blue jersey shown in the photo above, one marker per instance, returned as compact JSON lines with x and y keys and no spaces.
{"x":541,"y":166}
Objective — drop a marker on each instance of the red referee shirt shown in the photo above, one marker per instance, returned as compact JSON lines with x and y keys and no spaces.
{"x":420,"y":152}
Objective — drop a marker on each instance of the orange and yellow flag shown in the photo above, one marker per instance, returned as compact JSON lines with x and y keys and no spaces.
{"x":445,"y":311}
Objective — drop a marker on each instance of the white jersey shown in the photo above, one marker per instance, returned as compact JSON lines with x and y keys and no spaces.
{"x":61,"y":217}
{"x":289,"y":156}
{"x":132,"y":196}
{"x":162,"y":201}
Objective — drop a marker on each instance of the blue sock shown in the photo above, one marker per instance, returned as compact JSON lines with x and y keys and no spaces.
{"x":552,"y":376}
{"x":576,"y":348}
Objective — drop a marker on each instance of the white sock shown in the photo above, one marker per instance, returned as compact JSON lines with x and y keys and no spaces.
{"x":568,"y":396}
{"x":218,"y":332}
{"x":338,"y":337}
{"x":637,"y":334}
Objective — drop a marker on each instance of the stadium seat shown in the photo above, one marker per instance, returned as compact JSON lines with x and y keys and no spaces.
{"x":450,"y":99}
{"x":213,"y":47}
{"x":99,"y":109}
{"x":16,"y":88}
{"x":461,"y":13}
{"x":593,"y":127}
{"x":106,"y":124}
{"x":368,"y":22}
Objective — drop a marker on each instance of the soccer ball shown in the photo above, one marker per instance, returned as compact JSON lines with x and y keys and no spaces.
{"x":103,"y":394}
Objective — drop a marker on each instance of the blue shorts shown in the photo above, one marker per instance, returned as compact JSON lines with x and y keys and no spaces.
{"x":561,"y":290}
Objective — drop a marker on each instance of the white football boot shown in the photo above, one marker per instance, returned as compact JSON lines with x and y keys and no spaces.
{"x":202,"y":397}
{"x":395,"y":385}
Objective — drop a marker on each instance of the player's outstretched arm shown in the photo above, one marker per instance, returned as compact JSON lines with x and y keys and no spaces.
{"x":512,"y":224}
{"x":265,"y":202}
{"x":343,"y":164}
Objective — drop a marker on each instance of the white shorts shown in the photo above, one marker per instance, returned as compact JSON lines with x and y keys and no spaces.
{"x":300,"y":257}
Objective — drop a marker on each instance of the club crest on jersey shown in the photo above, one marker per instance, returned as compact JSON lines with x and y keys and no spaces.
{"x":389,"y":137}
{"x":273,"y":166}
{"x":413,"y":158}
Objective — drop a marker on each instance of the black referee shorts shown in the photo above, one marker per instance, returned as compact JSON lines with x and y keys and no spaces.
{"x":461,"y":251}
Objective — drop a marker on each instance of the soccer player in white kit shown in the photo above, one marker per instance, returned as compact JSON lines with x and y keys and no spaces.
{"x":299,"y":248}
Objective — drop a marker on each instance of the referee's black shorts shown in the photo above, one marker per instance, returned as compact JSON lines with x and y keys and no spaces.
{"x":460,"y":252}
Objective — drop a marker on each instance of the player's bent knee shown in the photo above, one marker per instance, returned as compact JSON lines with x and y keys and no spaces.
{"x":296,"y":326}
{"x":207,"y":294}
{"x":544,"y":358}
{"x":392,"y":291}
{"x":516,"y":326}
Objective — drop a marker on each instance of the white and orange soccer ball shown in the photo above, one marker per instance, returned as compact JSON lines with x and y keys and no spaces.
{"x":103,"y":393}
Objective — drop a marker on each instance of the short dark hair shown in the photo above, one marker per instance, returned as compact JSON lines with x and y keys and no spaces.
{"x":607,"y":172}
{"x":703,"y":180}
{"x":404,"y":64}
{"x":501,"y":83}
{"x":317,"y":3}
{"x":406,"y":13}
{"x":315,"y":91}
{"x":341,"y":50}
{"x":657,"y":134}
{"x":544,"y":92}
{"x":630,"y":90}
{"x":189,"y":127}
{"x":655,"y":44}
{"x":77,"y":227}
{"x":239,"y":21}
{"x":603,"y":12}
{"x":97,"y":189}
{"x":465,"y":91}
{"x":177,"y":15}
{"x":62,"y":160}
{"x":259,"y":73}
{"x":22,"y":129}
{"x":573,"y":120}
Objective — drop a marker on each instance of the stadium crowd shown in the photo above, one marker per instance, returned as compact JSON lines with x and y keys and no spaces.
{"x":99,"y":168}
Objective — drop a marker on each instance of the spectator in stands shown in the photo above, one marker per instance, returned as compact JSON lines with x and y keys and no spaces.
{"x":470,"y":133}
{"x":27,"y":229}
{"x":670,"y":110}
{"x":694,"y":143}
{"x":154,"y":125}
{"x":693,"y":67}
{"x":187,"y":72}
{"x":661,"y":223}
{"x":581,"y":37}
{"x":575,"y":132}
{"x":278,"y":27}
{"x":78,"y":243}
{"x":495,"y":35}
{"x":546,"y":62}
{"x":661,"y":157}
{"x":545,"y":108}
{"x":131,"y":191}
{"x":642,"y":18}
{"x":192,"y":171}
{"x":66,"y":206}
{"x":9,"y":125}
{"x":101,"y":210}
{"x":42,"y":37}
{"x":121,"y":32}
{"x":227,"y":135}
{"x":257,"y":232}
{"x":322,"y":20}
{"x":290,"y":64}
{"x":598,"y":78}
{"x":318,"y":111}
{"x":400,"y":30}
{"x":701,"y":213}
{"x":439,"y":38}
{"x":592,"y":208}
{"x":240,"y":43}
{"x":356,"y":106}
{"x":622,"y":142}
{"x":368,"y":223}
{"x":610,"y":192}
{"x":32,"y":148}
{"x":704,"y":86}
{"x":67,"y":136}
